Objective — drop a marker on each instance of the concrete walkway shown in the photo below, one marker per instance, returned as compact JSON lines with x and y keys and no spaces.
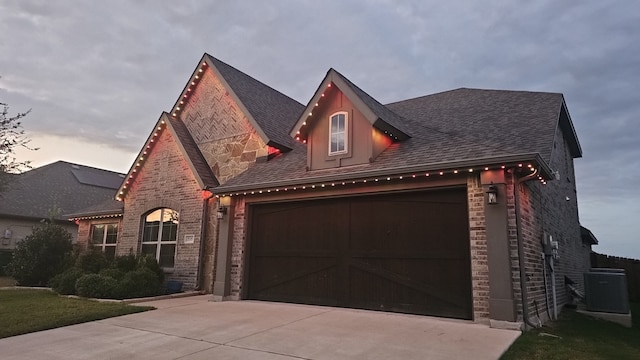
{"x":195,"y":328}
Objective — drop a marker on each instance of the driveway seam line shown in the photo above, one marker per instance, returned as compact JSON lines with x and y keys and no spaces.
{"x":268,"y":352}
{"x":161,"y":333}
{"x":279,"y":326}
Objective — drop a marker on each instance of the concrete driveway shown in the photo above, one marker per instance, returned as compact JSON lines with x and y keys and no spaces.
{"x":195,"y":328}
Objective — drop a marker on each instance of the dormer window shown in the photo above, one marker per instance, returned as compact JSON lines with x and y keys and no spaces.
{"x":338,"y":133}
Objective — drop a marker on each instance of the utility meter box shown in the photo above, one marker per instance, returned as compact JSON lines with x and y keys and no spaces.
{"x":606,"y":290}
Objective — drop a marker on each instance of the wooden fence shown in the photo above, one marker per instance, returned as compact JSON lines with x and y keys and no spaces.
{"x":630,"y":266}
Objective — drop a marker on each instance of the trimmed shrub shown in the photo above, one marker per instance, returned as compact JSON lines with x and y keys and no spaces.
{"x":92,"y":261}
{"x":5,"y":258}
{"x":126,"y":263}
{"x":96,"y":286}
{"x":41,"y":255}
{"x":114,"y":273}
{"x":65,"y":282}
{"x":140,"y":283}
{"x":150,"y":262}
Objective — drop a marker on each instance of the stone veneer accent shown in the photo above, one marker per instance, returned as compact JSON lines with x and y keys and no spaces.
{"x":221,"y":130}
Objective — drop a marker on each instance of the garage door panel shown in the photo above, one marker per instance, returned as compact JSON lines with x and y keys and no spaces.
{"x":295,"y":279}
{"x":294,"y":227}
{"x":402,"y":252}
{"x":370,"y":291}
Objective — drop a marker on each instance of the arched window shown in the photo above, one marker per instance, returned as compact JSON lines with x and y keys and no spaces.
{"x":160,"y":235}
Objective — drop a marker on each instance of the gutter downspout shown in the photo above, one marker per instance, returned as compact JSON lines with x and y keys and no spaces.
{"x":523,"y":276}
{"x":203,"y":235}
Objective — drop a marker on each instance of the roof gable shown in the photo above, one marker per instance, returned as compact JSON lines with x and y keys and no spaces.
{"x":196,"y":161}
{"x":269,"y":111}
{"x":466,"y":129}
{"x":377,"y":114}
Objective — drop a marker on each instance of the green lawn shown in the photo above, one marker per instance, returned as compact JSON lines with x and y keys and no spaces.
{"x":579,"y":337}
{"x":23,"y":311}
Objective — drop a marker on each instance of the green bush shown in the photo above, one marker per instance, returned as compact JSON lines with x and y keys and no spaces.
{"x":150,"y":262}
{"x":126,"y":263}
{"x":5,"y":258}
{"x":114,"y":273}
{"x":65,"y":282}
{"x":41,"y":255}
{"x":97,"y":286}
{"x":140,"y":283}
{"x":92,"y":261}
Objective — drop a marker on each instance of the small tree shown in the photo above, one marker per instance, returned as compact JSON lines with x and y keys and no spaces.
{"x":41,"y":255}
{"x":12,"y":136}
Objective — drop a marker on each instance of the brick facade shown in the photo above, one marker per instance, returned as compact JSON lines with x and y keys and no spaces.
{"x":551,"y":209}
{"x":230,"y":144}
{"x":156,"y":187}
{"x":478,"y":248}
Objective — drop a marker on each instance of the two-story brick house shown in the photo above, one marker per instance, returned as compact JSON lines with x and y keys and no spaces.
{"x":436,"y":205}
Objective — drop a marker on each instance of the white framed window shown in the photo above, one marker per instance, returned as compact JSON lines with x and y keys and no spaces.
{"x":105,"y":237}
{"x":160,"y":234}
{"x":338,"y":133}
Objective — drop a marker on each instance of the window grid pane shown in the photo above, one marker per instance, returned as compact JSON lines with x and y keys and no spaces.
{"x":160,"y":232}
{"x":97,"y":234}
{"x":112,"y":234}
{"x":337,"y":136}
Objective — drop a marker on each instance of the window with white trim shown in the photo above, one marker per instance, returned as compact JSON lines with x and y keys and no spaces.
{"x":338,"y":133}
{"x":160,"y":235}
{"x":105,"y":237}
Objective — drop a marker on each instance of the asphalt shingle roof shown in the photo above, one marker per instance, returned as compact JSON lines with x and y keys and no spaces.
{"x":61,"y":187}
{"x":271,"y":109}
{"x":445,"y":128}
{"x":193,"y":153}
{"x":380,"y":110}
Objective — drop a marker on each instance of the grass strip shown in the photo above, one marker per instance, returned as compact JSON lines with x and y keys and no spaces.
{"x":24,"y":310}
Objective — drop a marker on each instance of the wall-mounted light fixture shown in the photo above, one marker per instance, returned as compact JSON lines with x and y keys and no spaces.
{"x":223,"y":206}
{"x":222,"y":211}
{"x":492,"y":195}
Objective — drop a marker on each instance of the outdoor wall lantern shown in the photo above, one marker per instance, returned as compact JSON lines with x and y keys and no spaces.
{"x":222,"y":211}
{"x":492,"y":195}
{"x":224,"y":204}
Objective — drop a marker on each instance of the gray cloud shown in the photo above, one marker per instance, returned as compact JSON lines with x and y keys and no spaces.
{"x":104,"y":71}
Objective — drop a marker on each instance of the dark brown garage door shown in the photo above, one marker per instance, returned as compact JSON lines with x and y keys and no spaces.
{"x":404,"y":252}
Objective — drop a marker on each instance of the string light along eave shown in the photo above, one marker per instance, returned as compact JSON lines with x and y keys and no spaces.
{"x":374,"y":180}
{"x":140,"y":160}
{"x":301,"y":132}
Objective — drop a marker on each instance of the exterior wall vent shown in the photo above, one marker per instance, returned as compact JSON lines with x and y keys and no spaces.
{"x":606,"y":290}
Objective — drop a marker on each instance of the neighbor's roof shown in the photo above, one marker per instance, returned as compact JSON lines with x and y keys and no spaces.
{"x":457,"y":128}
{"x":107,"y":208}
{"x":57,"y":188}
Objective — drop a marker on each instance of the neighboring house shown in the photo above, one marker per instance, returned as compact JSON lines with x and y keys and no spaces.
{"x":48,"y":193}
{"x":436,"y":205}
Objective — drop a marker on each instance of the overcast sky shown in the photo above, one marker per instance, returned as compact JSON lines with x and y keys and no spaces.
{"x":97,"y":74}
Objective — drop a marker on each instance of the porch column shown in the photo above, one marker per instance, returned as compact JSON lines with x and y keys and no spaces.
{"x":222,"y":283}
{"x":501,"y":299}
